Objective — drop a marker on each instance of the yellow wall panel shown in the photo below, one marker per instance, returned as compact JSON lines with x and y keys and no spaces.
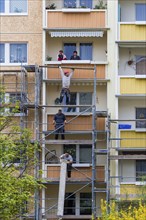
{"x":130,"y":189}
{"x":132,"y":86}
{"x":133,"y":139}
{"x":132,"y":32}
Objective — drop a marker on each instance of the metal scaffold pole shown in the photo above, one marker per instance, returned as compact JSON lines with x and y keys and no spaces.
{"x":37,"y":154}
{"x":93,"y":148}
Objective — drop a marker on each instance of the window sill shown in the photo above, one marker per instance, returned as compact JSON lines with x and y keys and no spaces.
{"x":77,"y":10}
{"x":13,"y":64}
{"x":14,"y":14}
{"x":137,"y":183}
{"x":140,"y":76}
{"x":140,"y":22}
{"x":140,"y":130}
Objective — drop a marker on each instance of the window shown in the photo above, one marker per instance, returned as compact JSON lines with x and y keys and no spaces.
{"x":84,"y":48}
{"x":83,"y":98}
{"x":2,"y":6}
{"x":141,"y":65}
{"x":70,"y":3}
{"x":18,"y":53}
{"x":13,"y":53}
{"x":140,"y":12}
{"x":86,"y":51}
{"x":80,"y":153}
{"x":141,"y":114}
{"x":85,"y":150}
{"x":85,"y":203}
{"x":68,"y":49}
{"x":86,"y":3}
{"x":13,"y":6}
{"x":2,"y":53}
{"x":69,"y":205}
{"x":78,"y":3}
{"x":140,"y":170}
{"x":13,"y":98}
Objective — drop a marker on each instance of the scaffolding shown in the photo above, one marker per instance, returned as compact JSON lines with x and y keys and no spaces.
{"x":43,"y":138}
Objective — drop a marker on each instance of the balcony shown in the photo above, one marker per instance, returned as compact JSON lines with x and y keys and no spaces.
{"x":75,"y":19}
{"x":132,"y":86}
{"x":79,"y":173}
{"x":81,"y":123}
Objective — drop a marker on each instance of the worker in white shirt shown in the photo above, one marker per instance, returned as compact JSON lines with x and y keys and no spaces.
{"x":66,"y":78}
{"x":68,"y":158}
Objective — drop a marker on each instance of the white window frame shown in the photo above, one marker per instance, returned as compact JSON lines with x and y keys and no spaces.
{"x":78,"y":103}
{"x":7,"y":10}
{"x":7,"y":54}
{"x":136,"y":128}
{"x":7,"y":100}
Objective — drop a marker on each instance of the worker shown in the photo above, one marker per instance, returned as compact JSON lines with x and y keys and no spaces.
{"x":75,"y":56}
{"x":59,"y":122}
{"x":65,"y":92}
{"x":69,"y":160}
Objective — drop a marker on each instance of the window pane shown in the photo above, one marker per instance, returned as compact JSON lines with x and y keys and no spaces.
{"x":140,"y":170}
{"x":69,"y":205}
{"x":70,"y":3}
{"x":140,"y":12}
{"x":85,"y":154}
{"x":85,"y":203}
{"x":71,"y":149}
{"x":141,"y":65}
{"x":2,"y":53}
{"x":85,"y":99}
{"x":18,"y":53}
{"x":68,"y":49}
{"x":73,"y":97}
{"x":86,"y":3}
{"x":2,"y":6}
{"x":141,"y":114}
{"x":18,"y":6}
{"x":86,"y":51}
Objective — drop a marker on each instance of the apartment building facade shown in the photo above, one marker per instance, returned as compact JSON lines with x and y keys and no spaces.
{"x":108,"y":90}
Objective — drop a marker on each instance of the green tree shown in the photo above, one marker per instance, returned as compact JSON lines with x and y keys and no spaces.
{"x":17,"y":163}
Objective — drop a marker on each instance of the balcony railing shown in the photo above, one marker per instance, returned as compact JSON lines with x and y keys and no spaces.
{"x":81,"y":123}
{"x":79,"y":73}
{"x":58,"y":19}
{"x":78,"y":173}
{"x":132,"y":32}
{"x":132,"y":86}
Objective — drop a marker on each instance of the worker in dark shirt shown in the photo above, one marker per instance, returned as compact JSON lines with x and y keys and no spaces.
{"x":59,"y":122}
{"x":75,"y":56}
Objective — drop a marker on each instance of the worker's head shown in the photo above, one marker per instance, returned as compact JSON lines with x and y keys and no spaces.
{"x":59,"y":111}
{"x":67,"y":154}
{"x":66,"y":73}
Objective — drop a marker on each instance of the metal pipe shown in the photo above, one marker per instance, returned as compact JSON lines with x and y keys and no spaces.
{"x":67,"y":67}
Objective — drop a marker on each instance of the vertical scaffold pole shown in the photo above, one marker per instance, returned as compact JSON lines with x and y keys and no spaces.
{"x":93,"y":148}
{"x":37,"y":154}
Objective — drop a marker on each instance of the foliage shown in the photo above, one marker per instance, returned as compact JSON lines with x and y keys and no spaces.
{"x":100,"y":5}
{"x":17,"y":162}
{"x":137,"y":212}
{"x":49,"y":58}
{"x":51,"y":6}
